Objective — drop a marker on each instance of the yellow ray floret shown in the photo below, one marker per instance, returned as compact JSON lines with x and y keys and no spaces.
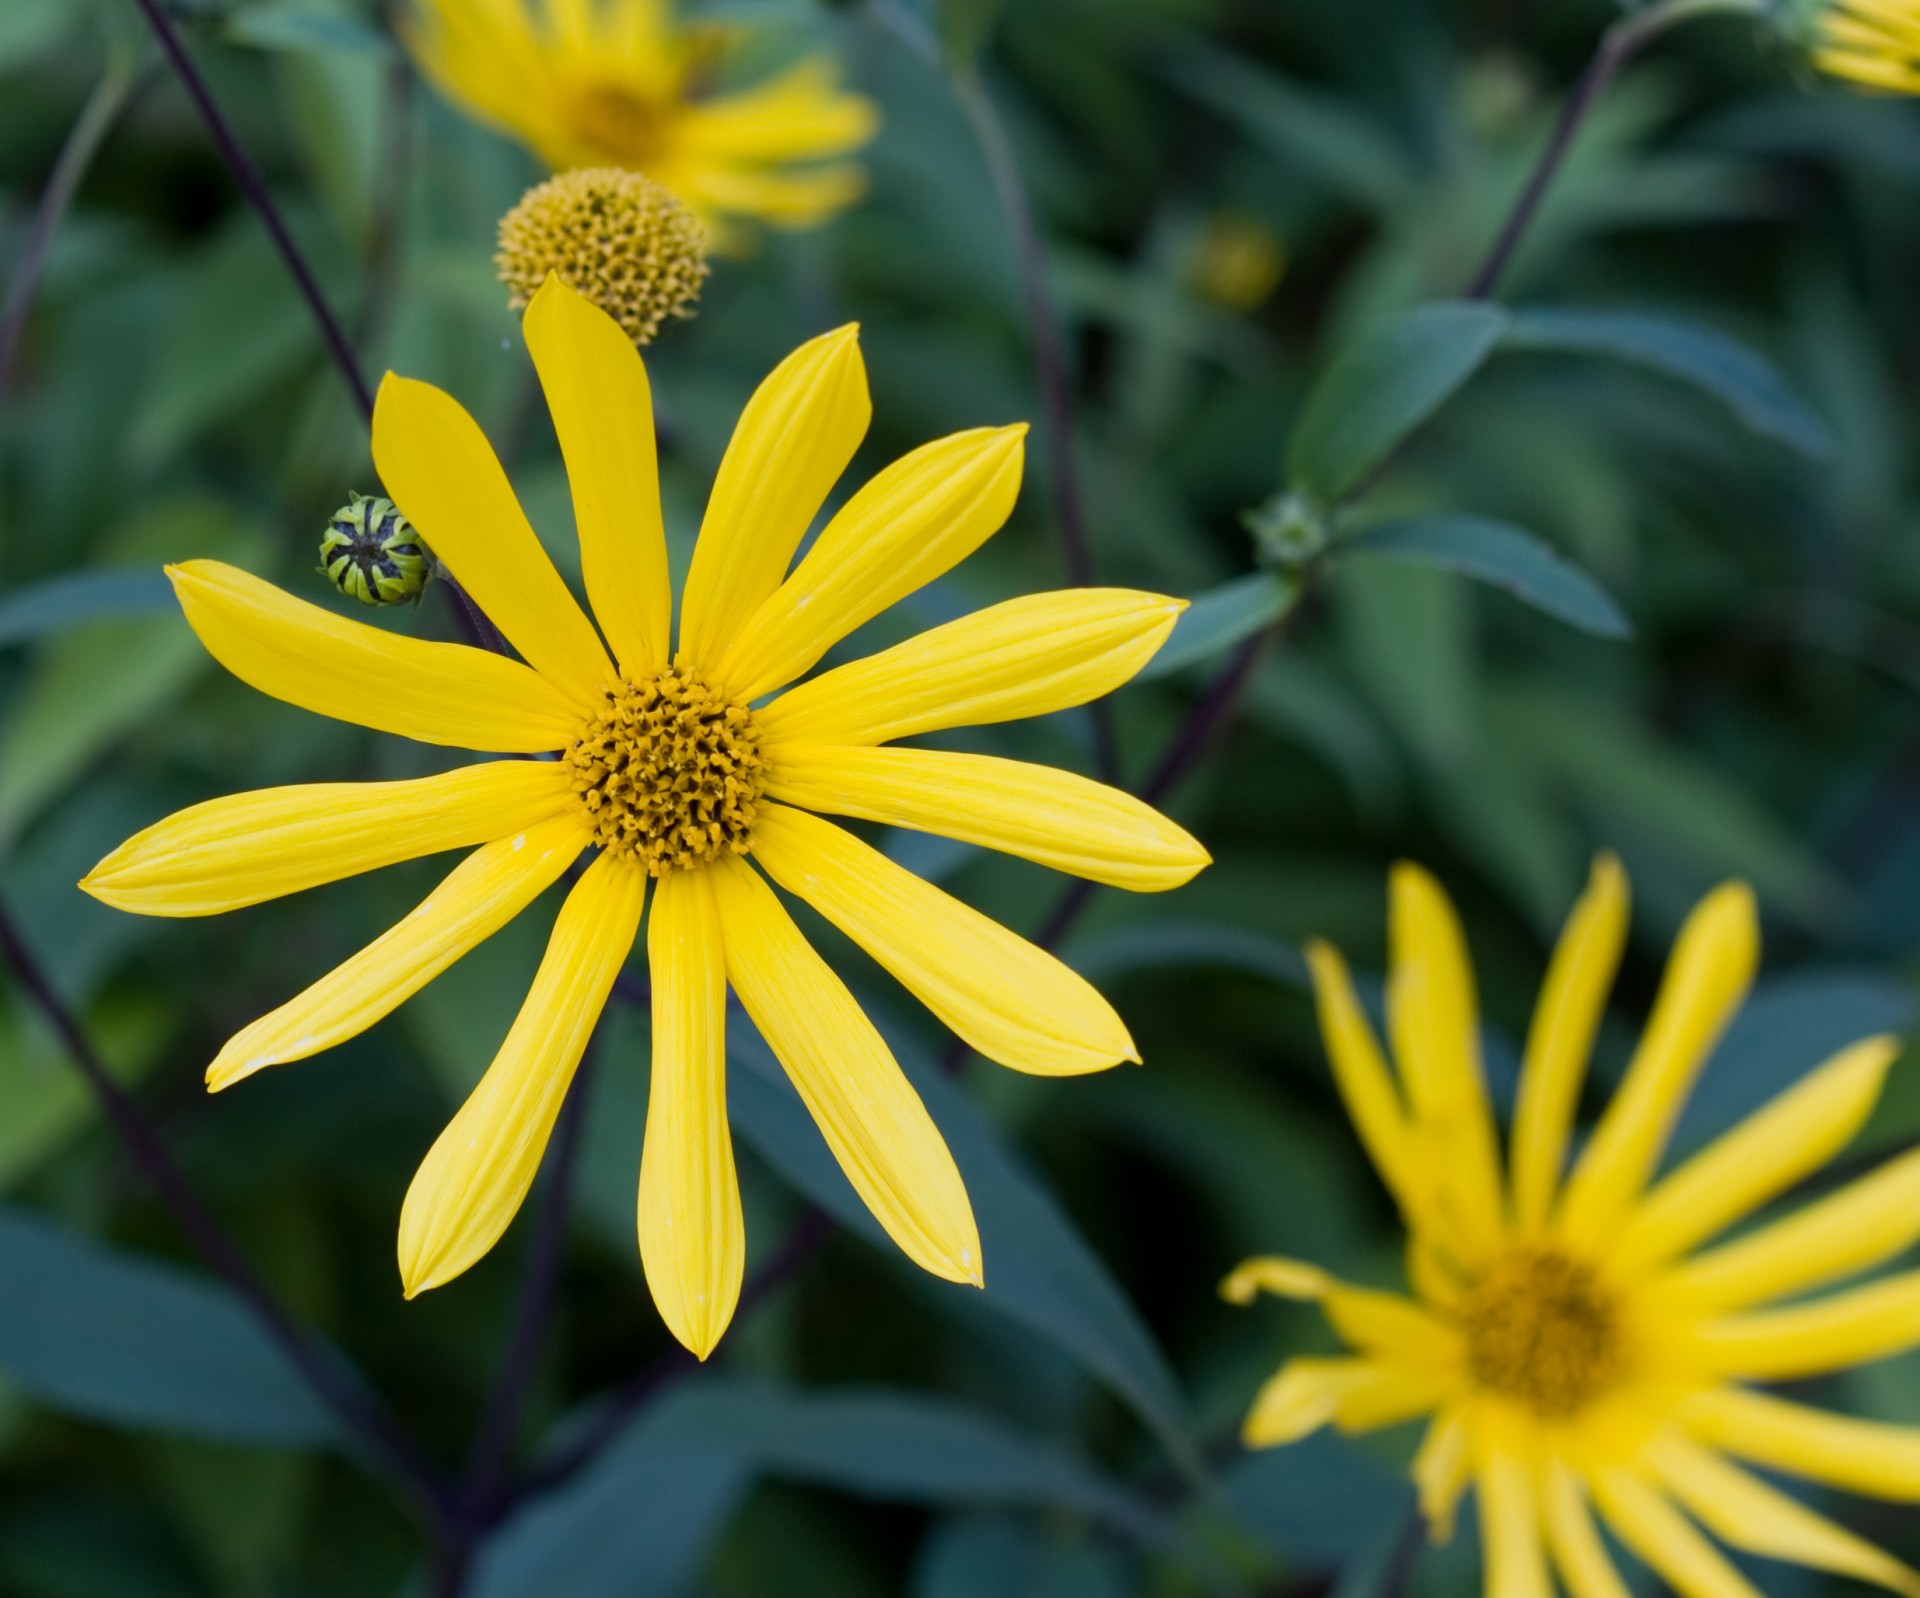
{"x":598,"y":83}
{"x":1582,"y":1338}
{"x":1872,"y":43}
{"x":681,"y":785}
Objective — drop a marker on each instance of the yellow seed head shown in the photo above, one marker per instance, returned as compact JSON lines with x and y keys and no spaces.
{"x":625,"y":242}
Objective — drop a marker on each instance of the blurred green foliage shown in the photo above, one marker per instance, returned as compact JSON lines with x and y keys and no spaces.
{"x":1693,"y":419}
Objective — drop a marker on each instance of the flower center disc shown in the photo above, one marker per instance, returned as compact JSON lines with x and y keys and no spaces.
{"x":670,"y":772}
{"x":628,"y":128}
{"x":1540,"y":1328}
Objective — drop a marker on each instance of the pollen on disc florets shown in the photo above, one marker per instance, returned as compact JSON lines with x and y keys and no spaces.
{"x":623,"y":241}
{"x":670,"y":772}
{"x":1542,"y":1329}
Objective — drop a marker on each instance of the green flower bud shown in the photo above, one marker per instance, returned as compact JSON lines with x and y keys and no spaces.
{"x":371,"y":552}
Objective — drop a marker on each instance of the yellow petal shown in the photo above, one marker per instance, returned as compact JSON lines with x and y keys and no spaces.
{"x":1558,"y":1045}
{"x":792,"y":441}
{"x":1665,"y":1539}
{"x":800,"y":114}
{"x":1355,"y":1394}
{"x":1275,"y":1274}
{"x":442,"y":473}
{"x":1026,"y":657}
{"x":1441,"y":1470}
{"x":1829,"y":1334}
{"x":1864,"y":1223}
{"x":1582,"y":1559}
{"x":1433,"y":1020}
{"x":1863,"y":1456}
{"x":921,"y":516}
{"x":1708,"y":976}
{"x":1797,"y":1132}
{"x":692,"y":1235}
{"x":1744,"y":1511}
{"x":471,"y":1183}
{"x":1510,"y":1529}
{"x":1381,"y":1323}
{"x":1056,"y":818}
{"x":1361,"y":1072}
{"x":596,"y":388}
{"x":865,"y":1108}
{"x":436,"y":693}
{"x":1007,"y":998}
{"x":483,"y":893}
{"x":250,"y":847}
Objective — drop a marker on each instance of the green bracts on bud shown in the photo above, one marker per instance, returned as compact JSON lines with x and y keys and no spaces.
{"x":371,"y":553}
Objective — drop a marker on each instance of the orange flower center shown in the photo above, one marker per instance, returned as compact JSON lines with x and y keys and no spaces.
{"x":1542,"y":1329}
{"x":670,"y":772}
{"x":629,"y":128}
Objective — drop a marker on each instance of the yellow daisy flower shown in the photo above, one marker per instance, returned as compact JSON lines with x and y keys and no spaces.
{"x":689,"y":767}
{"x":586,"y":83}
{"x":1573,"y":1341}
{"x":1875,"y":43}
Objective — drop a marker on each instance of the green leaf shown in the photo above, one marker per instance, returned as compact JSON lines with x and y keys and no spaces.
{"x":639,"y":1520}
{"x":965,"y":28}
{"x":30,"y":29}
{"x":1221,"y":618}
{"x":1500,"y":554}
{"x":133,"y":1342}
{"x":1040,"y":1271}
{"x":1381,"y":388}
{"x":1749,"y":385}
{"x":57,"y":603}
{"x":1320,"y":1501}
{"x":303,"y":28}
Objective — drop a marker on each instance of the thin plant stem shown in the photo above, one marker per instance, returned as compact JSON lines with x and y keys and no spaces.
{"x":260,"y":197}
{"x":1618,"y":45}
{"x":97,"y":117}
{"x":357,"y":1410}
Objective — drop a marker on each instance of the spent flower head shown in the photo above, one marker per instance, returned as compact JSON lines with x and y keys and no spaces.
{"x":625,"y":242}
{"x":1581,"y":1333}
{"x":693,"y":767}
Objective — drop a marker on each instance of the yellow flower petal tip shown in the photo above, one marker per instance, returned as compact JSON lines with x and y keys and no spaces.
{"x":1585,"y":1335}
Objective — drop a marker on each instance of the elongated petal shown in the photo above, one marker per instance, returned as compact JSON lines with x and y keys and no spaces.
{"x":1381,"y":1323}
{"x":1578,"y":1553}
{"x":1026,"y":657}
{"x":1441,"y":1471}
{"x":1363,"y":1076}
{"x":443,"y":474}
{"x":1796,"y":1133}
{"x":483,"y":893}
{"x":1434,"y":1022}
{"x":250,"y":847}
{"x":471,"y":1183}
{"x":1828,"y":1334}
{"x":693,"y":1239}
{"x":1860,"y":1226}
{"x":865,"y":1108}
{"x":792,"y":441}
{"x":1561,"y":1039}
{"x":1068,"y":822}
{"x":1744,"y":1511}
{"x":1006,"y":997}
{"x":924,"y":514}
{"x":602,"y":407}
{"x":799,"y":115}
{"x":1712,"y":966}
{"x":1510,"y":1529}
{"x":1354,"y":1394}
{"x":436,"y":693}
{"x":1863,"y":1456}
{"x":1666,"y":1540}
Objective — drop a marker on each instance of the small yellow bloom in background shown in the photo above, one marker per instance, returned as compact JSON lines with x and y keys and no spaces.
{"x":587,"y":83}
{"x":1237,"y":261}
{"x":619,"y":238}
{"x":1579,"y":1340}
{"x":1874,"y":43}
{"x":691,"y":765}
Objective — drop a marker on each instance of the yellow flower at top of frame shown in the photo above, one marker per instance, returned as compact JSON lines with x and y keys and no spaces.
{"x":1580,"y":1333}
{"x":586,"y":83}
{"x":684,"y":764}
{"x":1873,"y":43}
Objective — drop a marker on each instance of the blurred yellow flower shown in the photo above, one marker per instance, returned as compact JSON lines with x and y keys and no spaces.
{"x":1238,"y":261}
{"x":1574,"y":1346}
{"x":675,"y":766}
{"x":586,"y":83}
{"x":1871,"y":42}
